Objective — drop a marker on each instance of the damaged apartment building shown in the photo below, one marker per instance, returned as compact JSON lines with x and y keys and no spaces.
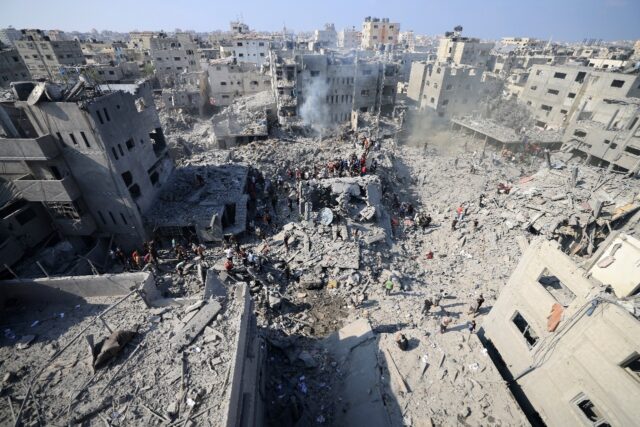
{"x":230,"y":79}
{"x":94,"y":157}
{"x":12,"y":67}
{"x":455,"y":82}
{"x":598,"y":111}
{"x":327,"y":88}
{"x":44,"y":57}
{"x":172,"y":56}
{"x":567,"y":336}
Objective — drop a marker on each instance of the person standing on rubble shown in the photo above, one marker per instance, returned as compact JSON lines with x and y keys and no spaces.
{"x":229,"y":252}
{"x":444,"y":323}
{"x":475,"y":308}
{"x":471,"y":326}
{"x":426,"y":308}
{"x":388,"y":287}
{"x":437,"y":298}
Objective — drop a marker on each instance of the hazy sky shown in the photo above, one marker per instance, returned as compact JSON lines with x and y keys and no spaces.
{"x":559,"y":19}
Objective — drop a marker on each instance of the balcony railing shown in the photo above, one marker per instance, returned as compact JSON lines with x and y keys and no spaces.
{"x":63,"y":190}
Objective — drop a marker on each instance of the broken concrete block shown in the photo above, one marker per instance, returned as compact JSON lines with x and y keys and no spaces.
{"x":195,"y":326}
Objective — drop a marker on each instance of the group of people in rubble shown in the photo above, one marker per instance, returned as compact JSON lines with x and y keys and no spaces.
{"x":138,"y":259}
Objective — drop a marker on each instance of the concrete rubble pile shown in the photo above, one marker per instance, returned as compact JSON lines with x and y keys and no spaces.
{"x":164,"y":361}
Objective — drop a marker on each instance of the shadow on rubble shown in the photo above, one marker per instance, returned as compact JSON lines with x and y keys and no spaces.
{"x":41,"y":311}
{"x":327,"y":381}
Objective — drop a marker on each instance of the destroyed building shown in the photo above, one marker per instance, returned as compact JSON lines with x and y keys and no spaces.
{"x":324,"y":89}
{"x":190,"y":91}
{"x":202,"y":200}
{"x":44,"y":57}
{"x":172,"y":56}
{"x":607,"y":133}
{"x":567,"y":336}
{"x":229,"y":79}
{"x":94,"y":156}
{"x":12,"y":67}
{"x":246,"y":120}
{"x":327,"y":37}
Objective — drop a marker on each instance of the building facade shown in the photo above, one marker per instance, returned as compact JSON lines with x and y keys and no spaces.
{"x":95,"y":162}
{"x":349,"y":38}
{"x":379,"y":32}
{"x":172,"y":56}
{"x":248,"y":48}
{"x":229,"y":80}
{"x":556,"y":93}
{"x":570,"y":344}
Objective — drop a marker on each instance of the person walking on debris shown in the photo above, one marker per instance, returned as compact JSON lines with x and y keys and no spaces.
{"x":285,"y":240}
{"x":471,"y":326}
{"x":228,"y":264}
{"x":460,"y":212}
{"x":228,"y":252}
{"x":475,"y":308}
{"x":475,"y":224}
{"x":444,"y":323}
{"x":426,"y":308}
{"x":388,"y":287}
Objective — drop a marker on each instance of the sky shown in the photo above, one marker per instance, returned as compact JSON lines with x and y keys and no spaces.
{"x":559,"y":20}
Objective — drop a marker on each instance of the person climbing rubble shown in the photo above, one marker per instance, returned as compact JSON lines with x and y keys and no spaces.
{"x":471,"y":326}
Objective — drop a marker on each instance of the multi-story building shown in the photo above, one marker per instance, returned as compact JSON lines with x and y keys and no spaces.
{"x":12,"y":68}
{"x":325,"y":89}
{"x":455,"y":82}
{"x":327,"y":37}
{"x":44,"y":57}
{"x":229,"y":80}
{"x":350,"y":38}
{"x":9,"y":35}
{"x":379,"y":32}
{"x":450,"y":90}
{"x":458,"y":50}
{"x":526,"y":42}
{"x":246,"y":48}
{"x":567,"y":337}
{"x":94,"y":157}
{"x":556,"y":93}
{"x":172,"y":56}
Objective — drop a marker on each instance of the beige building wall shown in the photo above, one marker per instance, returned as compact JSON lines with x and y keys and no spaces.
{"x":379,"y":32}
{"x":584,"y":359}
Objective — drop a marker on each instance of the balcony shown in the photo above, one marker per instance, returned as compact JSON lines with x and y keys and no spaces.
{"x":41,"y":148}
{"x":64,"y":190}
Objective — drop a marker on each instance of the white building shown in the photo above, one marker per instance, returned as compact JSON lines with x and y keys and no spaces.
{"x":250,"y":48}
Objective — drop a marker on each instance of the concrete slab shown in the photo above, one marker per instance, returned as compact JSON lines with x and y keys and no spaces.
{"x":195,"y":326}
